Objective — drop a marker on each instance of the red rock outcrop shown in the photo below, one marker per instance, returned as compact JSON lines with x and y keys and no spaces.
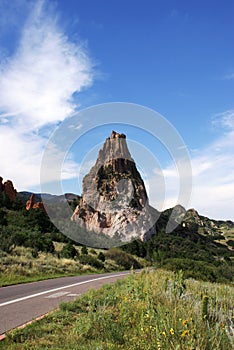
{"x":30,"y":202}
{"x":8,"y":188}
{"x":31,"y":205}
{"x":38,"y":205}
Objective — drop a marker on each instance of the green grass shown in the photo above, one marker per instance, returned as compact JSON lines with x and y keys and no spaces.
{"x":20,"y":266}
{"x":153,"y":310}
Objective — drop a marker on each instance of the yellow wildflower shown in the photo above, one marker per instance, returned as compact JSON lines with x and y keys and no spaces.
{"x":164,"y":333}
{"x":184,"y":333}
{"x":184,"y":322}
{"x":172,"y":331}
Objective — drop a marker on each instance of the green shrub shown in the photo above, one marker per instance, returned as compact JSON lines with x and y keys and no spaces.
{"x":122,"y":258}
{"x":6,"y":241}
{"x":101,"y":256}
{"x":69,"y":251}
{"x":84,"y":250}
{"x":90,"y":260}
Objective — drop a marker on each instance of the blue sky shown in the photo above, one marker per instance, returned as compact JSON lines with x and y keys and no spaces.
{"x":175,"y":57}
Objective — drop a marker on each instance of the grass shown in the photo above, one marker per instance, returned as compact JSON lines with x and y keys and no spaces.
{"x":153,"y":310}
{"x":20,"y":266}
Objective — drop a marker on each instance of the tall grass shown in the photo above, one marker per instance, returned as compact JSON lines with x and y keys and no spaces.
{"x":152,"y":310}
{"x":21,"y":266}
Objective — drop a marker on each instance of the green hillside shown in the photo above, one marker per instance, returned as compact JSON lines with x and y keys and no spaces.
{"x":31,"y":247}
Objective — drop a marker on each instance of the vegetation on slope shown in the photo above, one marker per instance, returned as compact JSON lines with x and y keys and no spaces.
{"x":153,"y":310}
{"x":21,"y":265}
{"x":199,"y":256}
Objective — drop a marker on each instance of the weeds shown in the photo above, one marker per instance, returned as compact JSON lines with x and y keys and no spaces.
{"x":142,"y":312}
{"x":23,"y":265}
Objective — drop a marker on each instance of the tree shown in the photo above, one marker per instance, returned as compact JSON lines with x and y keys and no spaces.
{"x":5,"y":201}
{"x":3,"y":220}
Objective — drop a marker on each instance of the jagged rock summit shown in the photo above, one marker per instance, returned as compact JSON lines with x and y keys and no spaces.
{"x":8,"y":188}
{"x":114,"y":199}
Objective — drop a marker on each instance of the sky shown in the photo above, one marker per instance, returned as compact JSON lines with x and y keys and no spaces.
{"x":58,"y":58}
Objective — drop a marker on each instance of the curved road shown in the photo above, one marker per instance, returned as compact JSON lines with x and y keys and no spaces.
{"x":22,"y":303}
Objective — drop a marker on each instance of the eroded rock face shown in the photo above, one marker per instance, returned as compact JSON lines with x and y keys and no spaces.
{"x":30,"y":202}
{"x":31,"y":205}
{"x":8,"y":188}
{"x":114,"y":199}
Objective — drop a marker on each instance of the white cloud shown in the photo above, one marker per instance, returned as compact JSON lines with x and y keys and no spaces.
{"x":20,"y":156}
{"x":37,"y":85}
{"x":213,"y":175}
{"x":224,"y":120}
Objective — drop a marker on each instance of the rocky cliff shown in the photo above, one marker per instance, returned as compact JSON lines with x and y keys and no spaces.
{"x":114,"y":199}
{"x":195,"y":222}
{"x":8,"y":188}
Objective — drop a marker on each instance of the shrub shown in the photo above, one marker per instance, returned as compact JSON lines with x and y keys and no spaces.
{"x":69,"y":251}
{"x":6,"y":242}
{"x":122,"y":258}
{"x":90,"y":260}
{"x":84,"y":250}
{"x":101,"y":256}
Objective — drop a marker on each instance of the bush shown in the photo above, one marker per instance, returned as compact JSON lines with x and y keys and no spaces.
{"x":40,"y":243}
{"x":84,"y":250}
{"x":201,"y":270}
{"x":69,"y":251}
{"x":101,"y":256}
{"x":230,"y":243}
{"x":122,"y":258}
{"x":90,"y":260}
{"x":6,"y":241}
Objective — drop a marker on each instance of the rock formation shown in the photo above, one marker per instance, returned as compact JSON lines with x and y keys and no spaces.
{"x":31,"y":205}
{"x":8,"y":188}
{"x":114,"y":199}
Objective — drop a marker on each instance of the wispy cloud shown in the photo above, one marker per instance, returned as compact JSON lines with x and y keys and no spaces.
{"x":213,"y":174}
{"x":38,"y":82}
{"x":224,"y":120}
{"x":37,"y":85}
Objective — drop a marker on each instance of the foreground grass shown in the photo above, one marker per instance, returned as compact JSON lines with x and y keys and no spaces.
{"x":21,"y":267}
{"x":152,"y":310}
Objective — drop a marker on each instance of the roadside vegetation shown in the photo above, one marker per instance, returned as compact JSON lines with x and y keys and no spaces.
{"x":152,"y":310}
{"x":23,"y":265}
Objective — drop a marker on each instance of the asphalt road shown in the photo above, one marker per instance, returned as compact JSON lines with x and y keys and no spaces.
{"x":22,"y":303}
